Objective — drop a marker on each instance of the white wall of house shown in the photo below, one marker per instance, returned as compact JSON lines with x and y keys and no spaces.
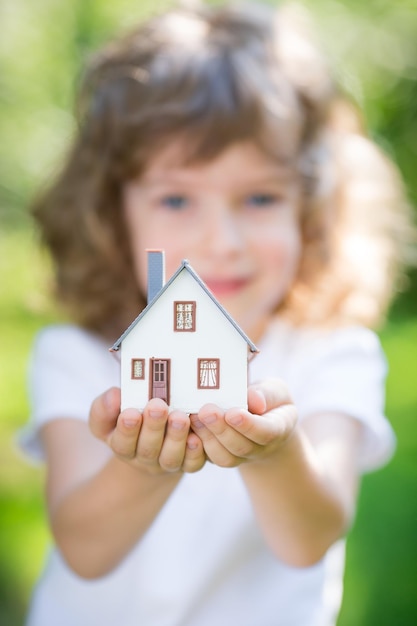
{"x":214,"y":337}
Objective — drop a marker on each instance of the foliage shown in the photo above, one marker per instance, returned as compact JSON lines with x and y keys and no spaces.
{"x":22,"y":520}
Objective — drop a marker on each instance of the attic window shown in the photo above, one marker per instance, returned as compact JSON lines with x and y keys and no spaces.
{"x":184,"y":316}
{"x":138,"y":369}
{"x":208,"y":373}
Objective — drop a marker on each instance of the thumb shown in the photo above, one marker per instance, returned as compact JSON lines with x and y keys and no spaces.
{"x":267,"y":395}
{"x":104,"y":412}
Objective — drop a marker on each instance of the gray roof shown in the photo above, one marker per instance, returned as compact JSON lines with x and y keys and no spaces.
{"x":184,"y":266}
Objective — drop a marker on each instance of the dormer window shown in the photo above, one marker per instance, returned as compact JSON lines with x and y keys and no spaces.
{"x":184,"y":316}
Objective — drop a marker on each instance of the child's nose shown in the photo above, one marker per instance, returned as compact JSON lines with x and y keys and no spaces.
{"x":223,"y":233}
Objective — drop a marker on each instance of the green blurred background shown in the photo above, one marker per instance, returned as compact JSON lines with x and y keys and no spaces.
{"x":373,"y":47}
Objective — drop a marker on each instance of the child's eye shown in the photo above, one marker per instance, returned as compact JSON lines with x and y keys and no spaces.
{"x":174,"y":201}
{"x":262,"y":200}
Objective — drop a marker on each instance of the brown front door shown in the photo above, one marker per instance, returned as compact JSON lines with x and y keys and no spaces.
{"x":160,"y":379}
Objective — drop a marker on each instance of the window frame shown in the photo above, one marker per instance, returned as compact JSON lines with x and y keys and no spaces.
{"x":200,"y":361}
{"x":193,"y":304}
{"x":135,"y":360}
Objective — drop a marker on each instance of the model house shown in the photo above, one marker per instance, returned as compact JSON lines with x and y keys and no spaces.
{"x":183,"y":347}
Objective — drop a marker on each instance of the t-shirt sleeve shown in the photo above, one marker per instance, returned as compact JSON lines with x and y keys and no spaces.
{"x":68,"y":368}
{"x":345,"y":372}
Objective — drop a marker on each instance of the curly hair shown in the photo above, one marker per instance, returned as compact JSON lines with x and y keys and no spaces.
{"x":214,"y":76}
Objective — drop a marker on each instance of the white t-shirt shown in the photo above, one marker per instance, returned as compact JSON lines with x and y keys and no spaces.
{"x":204,"y":562}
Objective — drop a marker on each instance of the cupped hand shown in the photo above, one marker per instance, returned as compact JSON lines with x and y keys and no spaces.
{"x":154,"y":439}
{"x":237,"y":435}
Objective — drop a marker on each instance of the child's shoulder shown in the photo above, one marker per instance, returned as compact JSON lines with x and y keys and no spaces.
{"x":317,"y":335}
{"x":309,"y":343}
{"x":339,"y":338}
{"x":68,"y":343}
{"x":58,"y":335}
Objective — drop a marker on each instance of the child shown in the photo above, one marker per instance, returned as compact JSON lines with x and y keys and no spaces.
{"x":217,"y":135}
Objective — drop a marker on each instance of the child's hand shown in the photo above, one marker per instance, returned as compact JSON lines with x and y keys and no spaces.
{"x":153,"y":439}
{"x":236,"y":436}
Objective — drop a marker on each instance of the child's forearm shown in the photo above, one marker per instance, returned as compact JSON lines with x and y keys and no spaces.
{"x":301,"y":509}
{"x":99,"y":521}
{"x":107,"y":482}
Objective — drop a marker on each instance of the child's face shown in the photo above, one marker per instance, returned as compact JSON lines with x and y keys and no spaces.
{"x":235,"y":218}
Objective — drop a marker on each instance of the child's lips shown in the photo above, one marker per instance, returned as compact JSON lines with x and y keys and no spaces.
{"x":227,"y":286}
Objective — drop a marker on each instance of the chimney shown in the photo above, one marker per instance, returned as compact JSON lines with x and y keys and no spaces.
{"x":156,"y":272}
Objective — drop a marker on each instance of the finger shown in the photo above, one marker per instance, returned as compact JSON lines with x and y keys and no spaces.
{"x":267,"y":395}
{"x":123,"y":440}
{"x":155,"y":417}
{"x":277,"y":424}
{"x":195,"y":457}
{"x":104,"y":413}
{"x":201,"y":430}
{"x":213,"y":448}
{"x":235,"y":442}
{"x":174,"y":444}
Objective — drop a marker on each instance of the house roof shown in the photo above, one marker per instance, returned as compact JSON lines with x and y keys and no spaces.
{"x":185,"y":266}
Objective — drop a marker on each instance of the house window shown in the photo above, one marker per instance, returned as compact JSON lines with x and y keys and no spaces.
{"x":184,"y":316}
{"x":138,"y":369}
{"x":208,"y":373}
